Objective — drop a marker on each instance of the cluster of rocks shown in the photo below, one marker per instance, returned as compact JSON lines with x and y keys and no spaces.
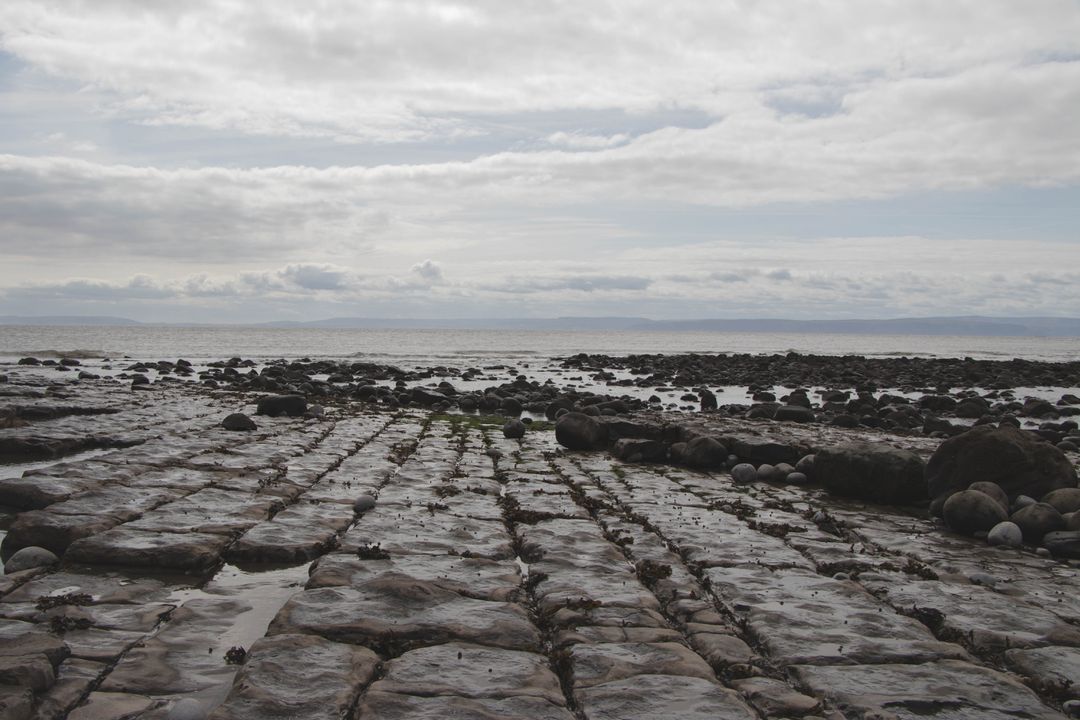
{"x":946,"y":405}
{"x":984,"y":481}
{"x":795,"y":369}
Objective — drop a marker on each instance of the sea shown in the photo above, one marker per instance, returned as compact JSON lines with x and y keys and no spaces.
{"x":458,"y":348}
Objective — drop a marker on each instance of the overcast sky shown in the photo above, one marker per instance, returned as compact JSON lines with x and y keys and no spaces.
{"x":244,"y":161}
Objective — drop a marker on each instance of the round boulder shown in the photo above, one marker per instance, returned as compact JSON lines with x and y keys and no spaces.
{"x":239,"y":422}
{"x":706,"y":453}
{"x":1005,"y":533}
{"x":1037,"y":520}
{"x":1072,"y":520}
{"x":514,"y":429}
{"x":993,"y":490}
{"x":869,"y":471}
{"x":766,"y":472}
{"x":30,"y":557}
{"x":970,"y":511}
{"x":744,"y":473}
{"x":806,"y":465}
{"x":1015,"y":459}
{"x":1064,"y":500}
{"x":578,"y":431}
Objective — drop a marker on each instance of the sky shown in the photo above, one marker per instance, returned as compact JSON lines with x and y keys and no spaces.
{"x":229,"y":161}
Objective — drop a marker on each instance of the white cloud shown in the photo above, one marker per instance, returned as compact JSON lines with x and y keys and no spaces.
{"x":582,"y":119}
{"x":408,"y":70}
{"x":585,"y":141}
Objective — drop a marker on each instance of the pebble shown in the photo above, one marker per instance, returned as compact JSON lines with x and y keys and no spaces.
{"x":1042,"y":552}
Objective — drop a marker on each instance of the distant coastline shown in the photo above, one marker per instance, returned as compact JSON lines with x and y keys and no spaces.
{"x":946,"y":325}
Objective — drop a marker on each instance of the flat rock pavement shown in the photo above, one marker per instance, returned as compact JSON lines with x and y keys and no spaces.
{"x":209,"y":573}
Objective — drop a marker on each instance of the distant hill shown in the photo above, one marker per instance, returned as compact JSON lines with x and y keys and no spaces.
{"x":562,"y":323}
{"x":952,"y":325}
{"x":65,"y":320}
{"x":960,"y":325}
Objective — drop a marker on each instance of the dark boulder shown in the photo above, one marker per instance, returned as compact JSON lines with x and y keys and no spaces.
{"x":806,"y":465}
{"x":274,"y":405}
{"x":427,"y":398}
{"x":708,"y":400}
{"x":971,"y":511}
{"x":578,"y":431}
{"x":238,"y":421}
{"x":794,"y":413}
{"x":1012,"y":458}
{"x":1037,"y":520}
{"x":705,"y":452}
{"x":757,"y":449}
{"x":867,"y":471}
{"x":514,"y":429}
{"x":510,"y":406}
{"x":993,"y":490}
{"x":634,"y":450}
{"x":1063,"y":543}
{"x":1064,"y":500}
{"x":553,"y":407}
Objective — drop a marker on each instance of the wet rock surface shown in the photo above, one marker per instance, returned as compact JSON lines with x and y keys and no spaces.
{"x":376,"y":562}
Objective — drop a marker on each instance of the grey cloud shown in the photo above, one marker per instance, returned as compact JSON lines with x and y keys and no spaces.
{"x":428,"y":270}
{"x":579,"y":283}
{"x":316,"y":277}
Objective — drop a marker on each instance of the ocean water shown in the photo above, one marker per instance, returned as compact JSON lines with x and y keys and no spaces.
{"x":463,"y":348}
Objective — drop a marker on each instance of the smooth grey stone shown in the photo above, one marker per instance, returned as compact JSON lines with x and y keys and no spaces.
{"x":30,"y":557}
{"x":744,"y":473}
{"x":1005,"y":533}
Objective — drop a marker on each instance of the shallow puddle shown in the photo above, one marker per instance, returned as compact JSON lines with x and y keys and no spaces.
{"x":266,"y":589}
{"x":14,"y":470}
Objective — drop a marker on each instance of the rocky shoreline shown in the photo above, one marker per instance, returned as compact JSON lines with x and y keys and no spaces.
{"x":395,"y":544}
